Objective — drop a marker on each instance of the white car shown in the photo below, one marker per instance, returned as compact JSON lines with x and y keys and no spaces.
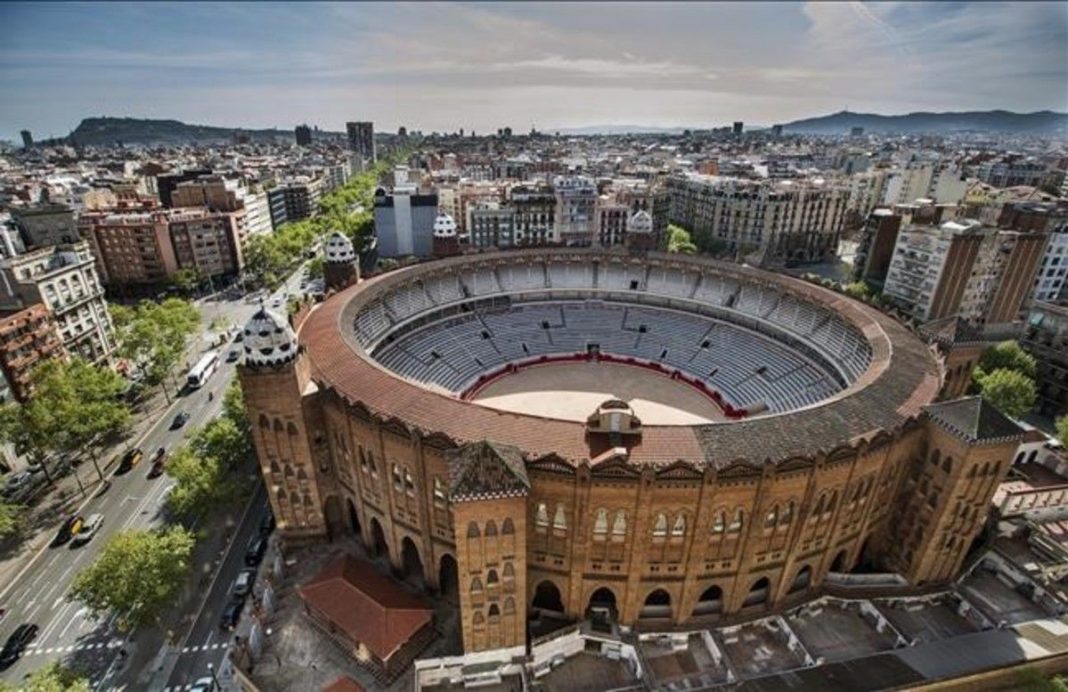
{"x":277,"y":302}
{"x":89,"y":529}
{"x":202,"y":685}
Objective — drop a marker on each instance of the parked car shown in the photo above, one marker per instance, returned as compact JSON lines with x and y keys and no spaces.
{"x":16,"y":481}
{"x":256,"y":548}
{"x":16,"y":644}
{"x":202,"y":685}
{"x":277,"y":302}
{"x":231,"y":614}
{"x":179,"y":420}
{"x":87,"y":530}
{"x":67,"y":529}
{"x":267,"y":522}
{"x":131,"y":458}
{"x":243,"y":584}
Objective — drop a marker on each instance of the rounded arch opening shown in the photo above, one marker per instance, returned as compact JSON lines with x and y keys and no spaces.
{"x":449,"y":577}
{"x":710,"y":602}
{"x":412,"y":564}
{"x":547,"y":598}
{"x":657,"y":605}
{"x":354,"y":518}
{"x":802,"y":580}
{"x":839,"y":564}
{"x":379,"y":546}
{"x":759,"y":592}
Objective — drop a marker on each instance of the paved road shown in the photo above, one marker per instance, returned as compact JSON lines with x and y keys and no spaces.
{"x":39,"y":594}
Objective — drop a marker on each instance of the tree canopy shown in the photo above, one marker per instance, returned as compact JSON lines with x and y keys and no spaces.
{"x":858,"y":289}
{"x":10,"y":519}
{"x":53,"y":677}
{"x":154,"y":336}
{"x":1062,"y":429}
{"x":1008,"y":355}
{"x":137,"y":576}
{"x":73,"y":403}
{"x":679,"y":240}
{"x":1010,"y":391}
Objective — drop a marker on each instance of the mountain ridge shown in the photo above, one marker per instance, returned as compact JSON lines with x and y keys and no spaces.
{"x":932,"y":122}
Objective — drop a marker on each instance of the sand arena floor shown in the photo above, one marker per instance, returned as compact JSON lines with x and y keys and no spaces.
{"x":572,"y":391}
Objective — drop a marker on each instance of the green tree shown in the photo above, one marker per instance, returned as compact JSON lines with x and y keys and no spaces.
{"x":679,"y":240}
{"x":53,"y":677}
{"x":199,"y":484}
{"x":73,"y":404}
{"x":154,"y":336}
{"x":234,"y":405}
{"x":221,"y":439}
{"x":1010,"y":391}
{"x":1008,"y":355}
{"x":315,"y":268}
{"x":1062,"y":429}
{"x":187,"y":279}
{"x":10,"y":519}
{"x":858,"y":289}
{"x":137,"y":576}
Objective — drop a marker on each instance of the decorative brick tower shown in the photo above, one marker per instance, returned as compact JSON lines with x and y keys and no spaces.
{"x":488,"y":489}
{"x":341,"y":266}
{"x":639,"y":237}
{"x":276,"y":384}
{"x":446,"y":239}
{"x":947,"y":493}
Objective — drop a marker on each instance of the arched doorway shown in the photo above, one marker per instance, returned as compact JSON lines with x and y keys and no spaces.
{"x":335,"y":524}
{"x":547,"y":598}
{"x":801,"y":580}
{"x":449,"y":578}
{"x":354,"y":518}
{"x":657,"y":605}
{"x":839,"y":564}
{"x":710,"y":602}
{"x":379,"y":547}
{"x":602,"y":609}
{"x":758,"y":593}
{"x":412,"y":564}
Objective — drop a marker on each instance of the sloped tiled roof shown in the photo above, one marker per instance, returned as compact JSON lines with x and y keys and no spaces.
{"x":365,"y":605}
{"x":487,"y":470}
{"x":974,"y":419}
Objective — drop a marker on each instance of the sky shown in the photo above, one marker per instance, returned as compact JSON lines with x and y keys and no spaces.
{"x":481,"y":66}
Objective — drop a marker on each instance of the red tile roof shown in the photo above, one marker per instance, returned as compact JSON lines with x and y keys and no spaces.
{"x":344,"y":684}
{"x":366,"y":606}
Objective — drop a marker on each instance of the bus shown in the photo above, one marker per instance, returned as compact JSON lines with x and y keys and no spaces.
{"x":200,"y":373}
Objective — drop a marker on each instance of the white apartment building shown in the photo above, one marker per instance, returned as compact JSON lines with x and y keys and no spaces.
{"x":1052,"y":277}
{"x":64,"y":279}
{"x":932,"y":266}
{"x":576,"y":197}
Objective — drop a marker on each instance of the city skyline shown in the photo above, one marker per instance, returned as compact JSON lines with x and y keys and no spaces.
{"x":482,"y":66}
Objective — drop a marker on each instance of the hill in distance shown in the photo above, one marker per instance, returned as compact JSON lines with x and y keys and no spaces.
{"x":107,"y":131}
{"x":1039,"y":123}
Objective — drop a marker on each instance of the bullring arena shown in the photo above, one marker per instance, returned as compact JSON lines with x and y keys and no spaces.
{"x":661,"y":440}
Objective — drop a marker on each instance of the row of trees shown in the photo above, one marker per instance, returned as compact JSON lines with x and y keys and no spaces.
{"x":140,"y":574}
{"x":1005,"y":377}
{"x":269,"y":257}
{"x":153,"y":336}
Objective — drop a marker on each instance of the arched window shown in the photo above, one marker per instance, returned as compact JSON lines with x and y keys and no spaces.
{"x":472,"y":530}
{"x":439,"y":492}
{"x":397,"y":482}
{"x":476,"y":585}
{"x":478,"y":619}
{"x":507,"y":527}
{"x":508,"y":573}
{"x":971,"y":472}
{"x":935,"y":457}
{"x":679,"y":529}
{"x":736,"y":524}
{"x":819,"y":509}
{"x":947,"y":464}
{"x":509,"y":606}
{"x":719,"y":522}
{"x":559,"y":519}
{"x":660,"y":525}
{"x":619,"y":525}
{"x":491,"y":579}
{"x":494,"y":611}
{"x":787,"y":514}
{"x":771,"y":517}
{"x":600,"y":523}
{"x":491,"y":528}
{"x":541,"y":516}
{"x":409,"y":482}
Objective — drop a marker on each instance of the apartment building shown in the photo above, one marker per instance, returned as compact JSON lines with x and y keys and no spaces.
{"x":45,"y":225}
{"x":27,"y":337}
{"x":932,"y":266}
{"x":1046,"y":338}
{"x":491,"y":225}
{"x":130,"y":248}
{"x":294,"y":199}
{"x":535,"y":214}
{"x":1003,"y":277}
{"x":64,"y":279}
{"x":610,"y":221}
{"x":210,"y":243}
{"x":1011,"y":171}
{"x":875,"y":246}
{"x":798,"y":221}
{"x":575,"y":197}
{"x":1051,"y":280}
{"x":361,"y":139}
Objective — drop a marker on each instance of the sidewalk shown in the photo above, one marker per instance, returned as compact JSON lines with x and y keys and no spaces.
{"x":51,"y":508}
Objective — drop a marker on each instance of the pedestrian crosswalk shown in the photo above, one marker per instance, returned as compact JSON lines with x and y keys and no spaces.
{"x":205,"y":647}
{"x":113,"y":644}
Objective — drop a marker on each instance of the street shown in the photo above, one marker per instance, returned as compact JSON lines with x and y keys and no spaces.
{"x":38,"y":594}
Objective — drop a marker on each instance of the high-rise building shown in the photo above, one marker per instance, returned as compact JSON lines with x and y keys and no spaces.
{"x":362,"y":142}
{"x":64,"y":280}
{"x":304,"y":135}
{"x":130,"y":248}
{"x":1051,"y":281}
{"x":27,"y":139}
{"x":404,"y":221}
{"x":932,"y":266}
{"x":491,"y":225}
{"x":576,"y":197}
{"x":1003,"y":279}
{"x":295,"y":199}
{"x":207,"y":242}
{"x":738,"y":127}
{"x":535,"y":214}
{"x":875,"y":248}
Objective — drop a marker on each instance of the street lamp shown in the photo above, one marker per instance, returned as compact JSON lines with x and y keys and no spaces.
{"x":214,"y":680}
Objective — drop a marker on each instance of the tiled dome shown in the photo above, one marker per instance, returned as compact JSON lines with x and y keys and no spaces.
{"x":269,"y":340}
{"x":339,"y":249}
{"x":640,"y":222}
{"x":444,"y":226}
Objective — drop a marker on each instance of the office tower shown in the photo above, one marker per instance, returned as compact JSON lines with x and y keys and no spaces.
{"x":27,"y":139}
{"x":304,"y":135}
{"x":362,"y":141}
{"x":738,"y":125}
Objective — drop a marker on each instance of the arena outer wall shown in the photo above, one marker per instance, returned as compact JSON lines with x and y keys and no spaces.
{"x":677,"y":526}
